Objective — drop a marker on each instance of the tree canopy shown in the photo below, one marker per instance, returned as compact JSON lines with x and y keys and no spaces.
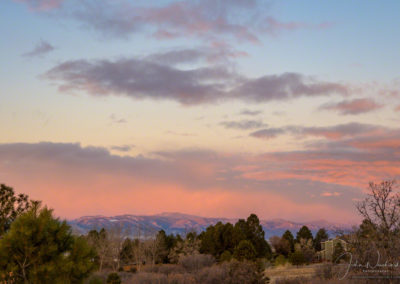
{"x":225,"y":238}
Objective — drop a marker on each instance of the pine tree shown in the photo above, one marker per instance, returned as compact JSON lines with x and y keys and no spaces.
{"x":304,"y":233}
{"x":39,"y":248}
{"x":321,"y":236}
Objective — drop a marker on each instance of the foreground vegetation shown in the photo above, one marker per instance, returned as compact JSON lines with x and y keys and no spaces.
{"x":36,"y":247}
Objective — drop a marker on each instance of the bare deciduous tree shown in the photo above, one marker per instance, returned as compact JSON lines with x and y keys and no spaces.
{"x":138,"y":250}
{"x":378,"y":235}
{"x":382,"y":206}
{"x":117,"y":235}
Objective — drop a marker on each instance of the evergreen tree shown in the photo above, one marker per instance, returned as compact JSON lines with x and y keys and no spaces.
{"x":220,"y":238}
{"x":256,"y":235}
{"x":290,"y":238}
{"x":240,"y":231}
{"x":39,"y":248}
{"x":245,"y":251}
{"x":217,"y":239}
{"x":321,"y":236}
{"x":126,"y":255}
{"x":338,"y":252}
{"x":304,"y":233}
{"x":165,"y":244}
{"x":11,"y":206}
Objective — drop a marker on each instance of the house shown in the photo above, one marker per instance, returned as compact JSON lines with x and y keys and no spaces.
{"x":328,"y":247}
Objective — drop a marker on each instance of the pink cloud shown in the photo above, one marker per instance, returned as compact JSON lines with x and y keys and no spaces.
{"x":87,"y":180}
{"x":113,"y":195}
{"x":330,"y":194}
{"x":79,"y":180}
{"x":41,"y":5}
{"x":207,"y":19}
{"x":356,"y":106}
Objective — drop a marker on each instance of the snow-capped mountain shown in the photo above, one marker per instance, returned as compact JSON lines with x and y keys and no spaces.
{"x":178,"y":223}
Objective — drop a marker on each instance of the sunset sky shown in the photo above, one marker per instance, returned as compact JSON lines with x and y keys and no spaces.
{"x":210,"y":107}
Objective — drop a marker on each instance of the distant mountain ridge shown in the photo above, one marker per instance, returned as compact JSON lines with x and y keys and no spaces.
{"x":178,"y":223}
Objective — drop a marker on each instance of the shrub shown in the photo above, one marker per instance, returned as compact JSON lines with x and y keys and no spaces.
{"x":280,"y":260}
{"x":196,"y":262}
{"x":244,"y":273}
{"x":95,"y":280}
{"x":297,"y":258}
{"x":225,"y":256}
{"x":213,"y":274}
{"x":113,"y":278}
{"x":181,"y":279}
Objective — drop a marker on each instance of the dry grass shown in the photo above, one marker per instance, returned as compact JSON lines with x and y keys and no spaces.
{"x":289,"y":271}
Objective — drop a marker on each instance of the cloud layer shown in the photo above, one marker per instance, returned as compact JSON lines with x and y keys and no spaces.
{"x":328,"y":175}
{"x":139,"y":78}
{"x":241,"y":20}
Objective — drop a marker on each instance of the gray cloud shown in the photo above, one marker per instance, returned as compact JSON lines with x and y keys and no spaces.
{"x":142,"y":79}
{"x":41,"y":48}
{"x":183,"y":134}
{"x":122,"y":148}
{"x":335,"y":132}
{"x":115,"y":119}
{"x":286,"y":86}
{"x":267,"y":133}
{"x":179,"y":18}
{"x":338,"y":131}
{"x":179,"y":56}
{"x":250,"y":112}
{"x":139,"y":79}
{"x":217,"y":53}
{"x":242,"y":20}
{"x":243,"y":124}
{"x":356,"y":106}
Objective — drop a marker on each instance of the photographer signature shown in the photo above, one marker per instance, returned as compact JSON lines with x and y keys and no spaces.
{"x":355,"y":264}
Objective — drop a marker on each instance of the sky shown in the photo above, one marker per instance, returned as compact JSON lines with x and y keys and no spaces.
{"x":286,"y":109}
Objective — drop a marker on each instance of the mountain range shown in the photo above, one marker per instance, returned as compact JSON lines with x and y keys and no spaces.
{"x":178,"y":223}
